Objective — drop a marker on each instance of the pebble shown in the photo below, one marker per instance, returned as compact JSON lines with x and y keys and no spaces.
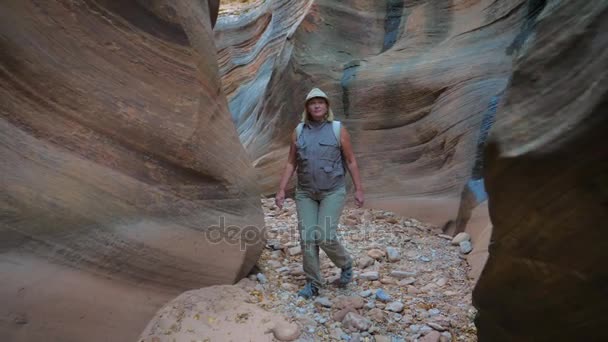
{"x":434,"y":312}
{"x":395,"y":306}
{"x":393,"y":254}
{"x":262,"y":278}
{"x":274,"y":263}
{"x":365,"y":262}
{"x":460,"y":237}
{"x":406,"y":281}
{"x":466,"y":247}
{"x":286,"y":331}
{"x":432,"y":336}
{"x":323,"y":301}
{"x":293,"y":251}
{"x":402,"y":274}
{"x":355,"y":322}
{"x":377,"y":315}
{"x":382,"y":296}
{"x":425,"y":259}
{"x":376,"y":254}
{"x":436,"y":326}
{"x":371,"y":275}
{"x":365,"y":293}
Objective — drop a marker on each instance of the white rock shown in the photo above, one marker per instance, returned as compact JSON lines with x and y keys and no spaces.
{"x":365,"y":293}
{"x":297,"y":250}
{"x":393,"y":254}
{"x":286,"y":331}
{"x":460,"y":237}
{"x":372,"y":275}
{"x":323,"y":301}
{"x":402,"y":274}
{"x":394,"y":307}
{"x":355,"y":322}
{"x":466,"y":247}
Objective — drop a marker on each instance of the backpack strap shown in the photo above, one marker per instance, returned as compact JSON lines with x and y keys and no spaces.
{"x":299,"y":128}
{"x":335,"y":125}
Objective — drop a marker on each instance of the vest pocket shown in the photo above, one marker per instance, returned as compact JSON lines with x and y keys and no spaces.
{"x":330,"y":175}
{"x":329,"y":150}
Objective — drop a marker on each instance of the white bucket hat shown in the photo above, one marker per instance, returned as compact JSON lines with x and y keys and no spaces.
{"x":316,"y":92}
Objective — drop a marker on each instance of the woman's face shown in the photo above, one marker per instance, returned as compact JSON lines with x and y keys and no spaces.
{"x":317,"y":108}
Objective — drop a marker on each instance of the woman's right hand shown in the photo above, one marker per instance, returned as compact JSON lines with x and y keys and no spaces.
{"x":279,"y":198}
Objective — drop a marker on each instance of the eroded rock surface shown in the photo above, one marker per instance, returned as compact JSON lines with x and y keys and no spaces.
{"x":546,"y":176}
{"x":117,"y":156}
{"x":411,"y":80}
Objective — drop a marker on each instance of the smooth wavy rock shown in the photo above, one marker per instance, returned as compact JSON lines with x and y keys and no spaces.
{"x":547,"y":181}
{"x":118,"y":156}
{"x":411,"y":80}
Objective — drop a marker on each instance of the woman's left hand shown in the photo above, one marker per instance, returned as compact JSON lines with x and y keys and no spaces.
{"x":359,"y":199}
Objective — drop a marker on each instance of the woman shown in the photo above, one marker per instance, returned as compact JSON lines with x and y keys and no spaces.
{"x":320,"y":149}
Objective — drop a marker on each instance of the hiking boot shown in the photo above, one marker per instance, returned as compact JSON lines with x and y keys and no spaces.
{"x":309,"y":291}
{"x":346,"y":276}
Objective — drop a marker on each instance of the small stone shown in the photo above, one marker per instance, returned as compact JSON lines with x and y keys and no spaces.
{"x":382,"y":296}
{"x":436,"y":326}
{"x":324,"y":302}
{"x":370,"y":305}
{"x":402,"y":274}
{"x":274,"y":264}
{"x":276,"y":255}
{"x":355,"y":322}
{"x":394,"y":307}
{"x":339,"y":315}
{"x":466,"y":247}
{"x":412,"y":290}
{"x":396,"y":317}
{"x":283,"y":269}
{"x":445,"y":337}
{"x":425,"y":259}
{"x":365,"y":262}
{"x":414,"y":328}
{"x":371,"y":275}
{"x":296,"y":271}
{"x":286,"y":331}
{"x":382,"y":338}
{"x":434,"y":312}
{"x":336,"y":333}
{"x":376,"y":253}
{"x":252,"y":277}
{"x":355,"y":302}
{"x":380,"y":305}
{"x":460,"y":237}
{"x":365,"y":293}
{"x":289,"y":287}
{"x":388,"y":281}
{"x":441,"y":282}
{"x":432,"y":336}
{"x":297,"y":250}
{"x":262,"y":278}
{"x":393,"y":254}
{"x":406,"y":281}
{"x":356,"y":337}
{"x":377,"y":315}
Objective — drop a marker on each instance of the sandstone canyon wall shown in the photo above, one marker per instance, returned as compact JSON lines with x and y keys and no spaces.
{"x":117,"y":154}
{"x":129,"y":128}
{"x":547,"y":181}
{"x":411,"y":80}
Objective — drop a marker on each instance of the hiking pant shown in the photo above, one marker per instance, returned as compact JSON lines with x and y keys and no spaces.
{"x":318,"y":217}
